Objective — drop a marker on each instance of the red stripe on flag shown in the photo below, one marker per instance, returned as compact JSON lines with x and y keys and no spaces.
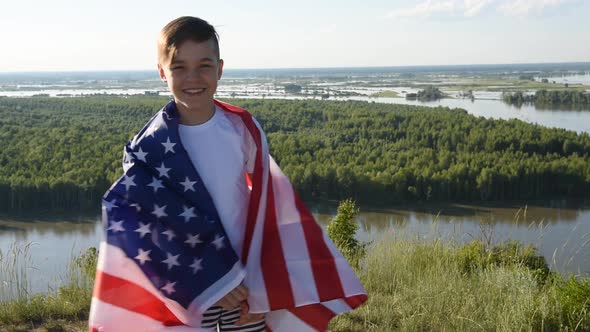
{"x":273,"y":265}
{"x":248,"y":180}
{"x":324,"y":269}
{"x":314,"y":315}
{"x":355,"y":301}
{"x":127,"y":295}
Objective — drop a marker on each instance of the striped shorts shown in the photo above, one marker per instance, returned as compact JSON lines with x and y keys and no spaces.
{"x":221,"y":320}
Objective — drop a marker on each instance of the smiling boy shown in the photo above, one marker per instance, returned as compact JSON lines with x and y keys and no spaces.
{"x":191,"y":70}
{"x":189,"y":62}
{"x":189,"y":244}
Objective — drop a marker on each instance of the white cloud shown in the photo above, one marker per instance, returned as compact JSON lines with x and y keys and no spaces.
{"x":474,"y":7}
{"x":471,"y":8}
{"x":425,"y":9}
{"x":525,"y":7}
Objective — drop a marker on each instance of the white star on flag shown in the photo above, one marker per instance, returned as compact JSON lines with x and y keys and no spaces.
{"x":168,"y":146}
{"x":169,"y":287}
{"x":171,"y":261}
{"x":128,"y":182}
{"x":143,"y":256}
{"x":218,"y":242}
{"x":169,"y":233}
{"x":187,"y":213}
{"x":143,"y":229}
{"x":136,"y":206}
{"x":193,"y":240}
{"x":116,"y":226}
{"x":196,"y":265}
{"x":163,"y":170}
{"x":140,"y":155}
{"x":159,"y":211}
{"x":156,"y":184}
{"x":109,"y":205}
{"x":188,"y":184}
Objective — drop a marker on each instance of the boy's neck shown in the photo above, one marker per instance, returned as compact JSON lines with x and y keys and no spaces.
{"x":196,"y":116}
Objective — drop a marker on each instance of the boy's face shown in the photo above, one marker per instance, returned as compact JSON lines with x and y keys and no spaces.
{"x":192,"y":76}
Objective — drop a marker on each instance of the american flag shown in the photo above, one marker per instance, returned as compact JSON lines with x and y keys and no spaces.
{"x":166,"y":257}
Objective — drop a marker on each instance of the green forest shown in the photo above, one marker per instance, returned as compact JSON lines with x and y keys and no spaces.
{"x":61,"y":154}
{"x":548,"y":98}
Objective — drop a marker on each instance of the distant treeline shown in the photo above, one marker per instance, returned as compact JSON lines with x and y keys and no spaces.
{"x":427,"y":94}
{"x":61,"y":154}
{"x":544,"y":97}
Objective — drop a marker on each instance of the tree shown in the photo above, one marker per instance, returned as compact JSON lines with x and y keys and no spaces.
{"x":292,"y":88}
{"x":430,"y":93}
{"x":342,"y":230}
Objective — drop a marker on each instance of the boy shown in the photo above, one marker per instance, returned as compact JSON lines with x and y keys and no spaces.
{"x":189,"y":245}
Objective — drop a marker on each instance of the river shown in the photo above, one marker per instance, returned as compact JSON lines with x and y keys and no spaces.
{"x":559,"y":229}
{"x":489,"y":107}
{"x":575,"y":120}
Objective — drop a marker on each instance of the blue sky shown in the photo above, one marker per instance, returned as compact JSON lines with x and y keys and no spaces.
{"x":64,"y":35}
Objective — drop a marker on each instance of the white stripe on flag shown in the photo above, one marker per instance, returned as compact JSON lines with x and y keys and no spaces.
{"x":350,"y":284}
{"x":285,"y":321}
{"x":337,"y":306}
{"x":116,"y":319}
{"x":258,"y":298}
{"x":293,"y":240}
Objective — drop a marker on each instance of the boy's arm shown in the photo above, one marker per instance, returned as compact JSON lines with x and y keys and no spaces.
{"x":246,"y":317}
{"x":234,"y":298}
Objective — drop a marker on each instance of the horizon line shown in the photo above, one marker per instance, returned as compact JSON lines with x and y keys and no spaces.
{"x":305,"y":68}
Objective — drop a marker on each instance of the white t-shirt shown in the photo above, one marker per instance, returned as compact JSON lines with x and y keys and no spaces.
{"x":222,"y":152}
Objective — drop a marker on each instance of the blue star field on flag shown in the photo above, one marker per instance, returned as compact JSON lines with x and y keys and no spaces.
{"x":162,"y":216}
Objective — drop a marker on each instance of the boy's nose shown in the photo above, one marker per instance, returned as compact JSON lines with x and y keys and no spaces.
{"x":194,"y":74}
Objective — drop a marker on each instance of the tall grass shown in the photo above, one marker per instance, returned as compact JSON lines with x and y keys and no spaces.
{"x":14,"y":266}
{"x":417,"y":286}
{"x":55,"y":309}
{"x":414,"y":284}
{"x":429,"y":284}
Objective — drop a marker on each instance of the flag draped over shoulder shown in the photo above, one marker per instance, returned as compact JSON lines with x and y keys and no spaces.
{"x":166,"y":257}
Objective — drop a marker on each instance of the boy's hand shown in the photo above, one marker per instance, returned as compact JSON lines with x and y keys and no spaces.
{"x":246,"y":317}
{"x":233,"y":299}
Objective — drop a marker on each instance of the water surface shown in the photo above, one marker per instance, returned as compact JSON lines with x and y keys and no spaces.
{"x":559,"y":229}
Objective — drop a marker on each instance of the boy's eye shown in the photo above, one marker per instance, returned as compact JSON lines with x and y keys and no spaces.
{"x":176,"y":67}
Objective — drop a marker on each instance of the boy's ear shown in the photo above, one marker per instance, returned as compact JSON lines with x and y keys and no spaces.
{"x":161,"y":72}
{"x":219,"y":69}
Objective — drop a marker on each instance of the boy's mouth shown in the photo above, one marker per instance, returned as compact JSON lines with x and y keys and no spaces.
{"x":193,"y":91}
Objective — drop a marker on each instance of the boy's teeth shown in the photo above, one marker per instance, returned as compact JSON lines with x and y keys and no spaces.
{"x":194,"y":90}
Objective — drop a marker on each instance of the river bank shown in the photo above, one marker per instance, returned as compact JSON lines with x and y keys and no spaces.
{"x":414,"y":284}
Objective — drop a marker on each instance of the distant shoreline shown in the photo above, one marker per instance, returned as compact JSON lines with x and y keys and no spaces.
{"x":547,"y":66}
